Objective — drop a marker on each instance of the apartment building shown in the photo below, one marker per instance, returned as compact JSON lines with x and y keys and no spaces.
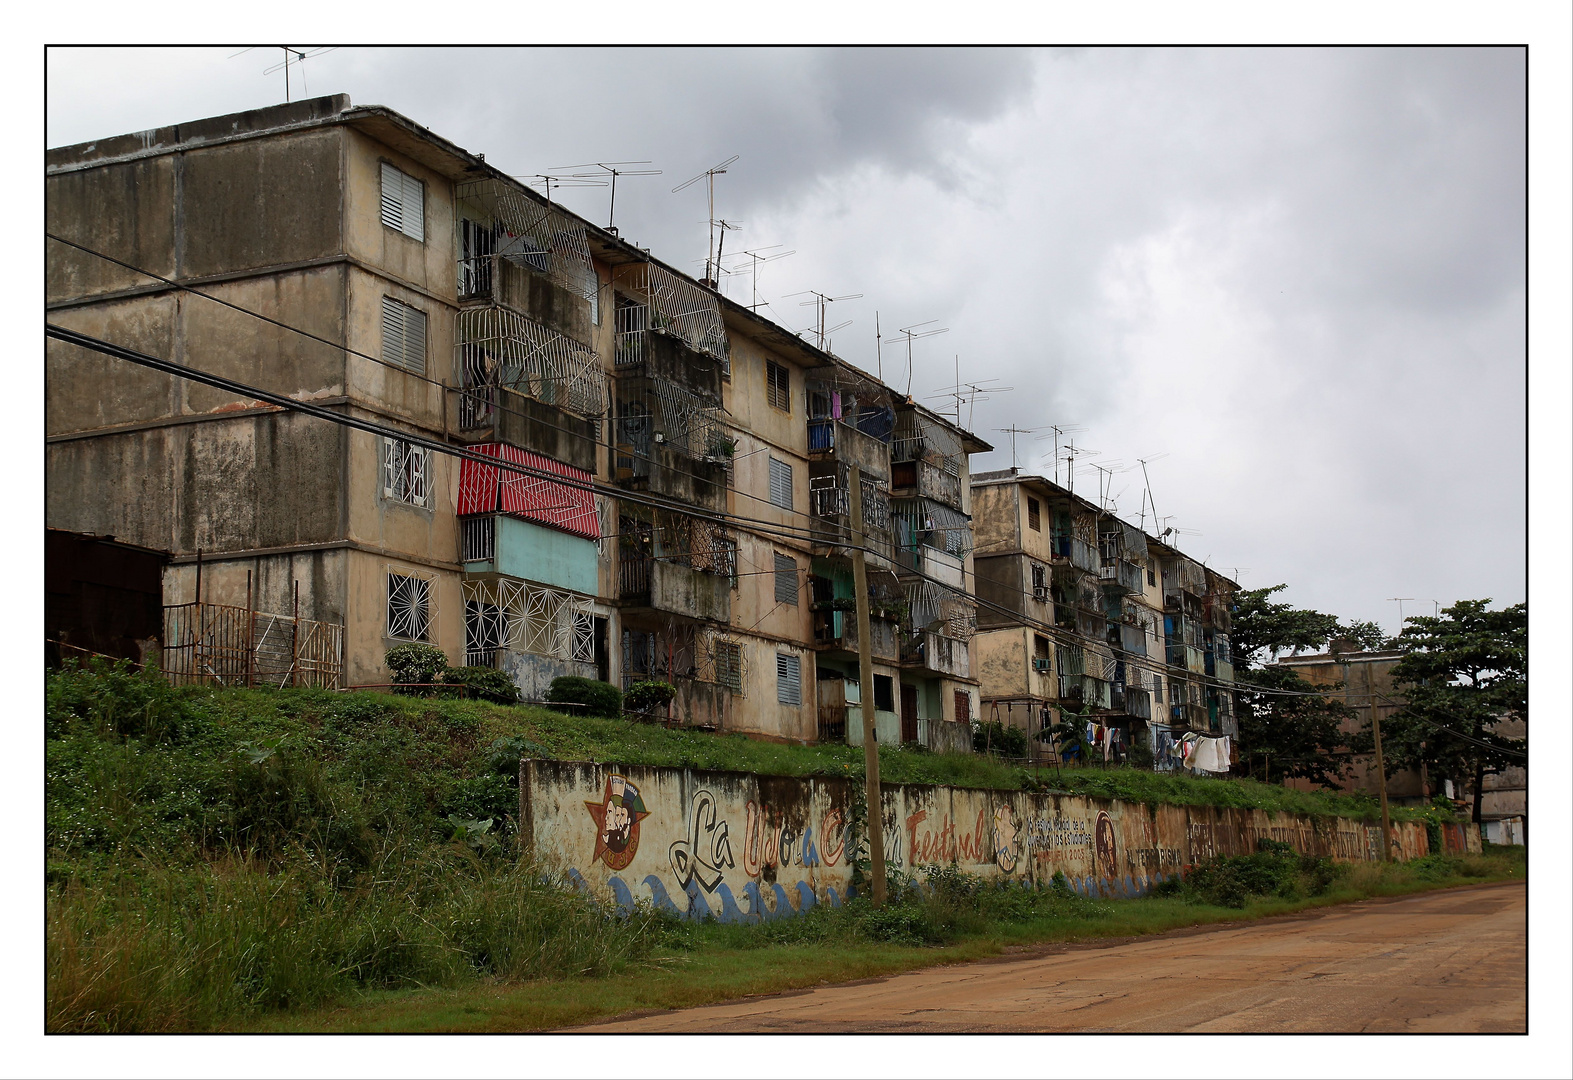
{"x":654,"y":482}
{"x":1083,"y":612}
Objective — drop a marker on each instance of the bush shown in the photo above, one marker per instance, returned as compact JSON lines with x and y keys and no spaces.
{"x":601,"y":699}
{"x":649,"y":696}
{"x":416,"y":663}
{"x":995,"y":737}
{"x":486,"y":683}
{"x":1275,"y":870}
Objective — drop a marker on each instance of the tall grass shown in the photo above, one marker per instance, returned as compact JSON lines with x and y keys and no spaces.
{"x":191,"y":948}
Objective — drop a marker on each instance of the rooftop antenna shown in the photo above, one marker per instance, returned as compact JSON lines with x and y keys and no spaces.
{"x":1013,"y":431}
{"x":1056,"y":431}
{"x":911,"y":337}
{"x":614,"y":169}
{"x":821,"y":300}
{"x":548,"y":179}
{"x":297,"y":57}
{"x":708,"y":176}
{"x":753,"y":267}
{"x":879,"y":359}
{"x":1147,"y":490}
{"x":1070,"y":454}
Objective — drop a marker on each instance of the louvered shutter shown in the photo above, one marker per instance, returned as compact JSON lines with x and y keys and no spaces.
{"x":786,"y":579}
{"x":781,"y":484}
{"x":403,"y":335}
{"x":392,"y":331}
{"x":789,"y":679}
{"x":415,"y":340}
{"x":403,"y":203}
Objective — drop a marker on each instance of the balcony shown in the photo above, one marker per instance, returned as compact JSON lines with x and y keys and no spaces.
{"x":939,"y":654}
{"x":1073,"y":551}
{"x":1133,"y":639}
{"x":1121,"y":576}
{"x":830,"y":502}
{"x":836,"y":440}
{"x":940,"y":565}
{"x":1086,"y":690}
{"x":1188,"y":657}
{"x":660,"y":585}
{"x":666,"y":306}
{"x":928,"y":480}
{"x":1189,"y":715}
{"x":1133,"y":701}
{"x":836,"y":631}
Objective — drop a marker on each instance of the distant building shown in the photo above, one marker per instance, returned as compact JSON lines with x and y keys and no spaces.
{"x":685,"y":513}
{"x":1082,"y":611}
{"x":1361,"y":679}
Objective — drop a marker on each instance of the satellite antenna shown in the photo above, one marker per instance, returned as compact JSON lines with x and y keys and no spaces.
{"x":821,"y":300}
{"x":614,"y":169}
{"x":708,"y":176}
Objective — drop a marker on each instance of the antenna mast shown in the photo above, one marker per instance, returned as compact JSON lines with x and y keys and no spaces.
{"x":708,"y":176}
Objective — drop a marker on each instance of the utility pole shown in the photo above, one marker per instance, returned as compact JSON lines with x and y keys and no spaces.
{"x":1381,"y":772}
{"x":876,"y":815}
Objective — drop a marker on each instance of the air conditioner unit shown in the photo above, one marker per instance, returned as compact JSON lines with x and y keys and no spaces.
{"x":1040,"y":663}
{"x":1041,"y":593}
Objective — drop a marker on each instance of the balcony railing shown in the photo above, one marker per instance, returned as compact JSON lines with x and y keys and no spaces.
{"x":1085,"y":690}
{"x":1075,"y":551}
{"x":478,"y":538}
{"x":1188,"y":657}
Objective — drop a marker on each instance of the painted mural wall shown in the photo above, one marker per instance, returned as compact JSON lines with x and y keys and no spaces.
{"x":743,"y":848}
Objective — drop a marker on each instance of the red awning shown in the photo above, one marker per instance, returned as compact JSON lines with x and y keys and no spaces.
{"x":488,"y":489}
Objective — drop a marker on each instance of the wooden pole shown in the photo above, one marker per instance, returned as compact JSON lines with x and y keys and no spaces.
{"x":1381,"y":776}
{"x":876,"y":815}
{"x":251,"y":622}
{"x":294,"y":638}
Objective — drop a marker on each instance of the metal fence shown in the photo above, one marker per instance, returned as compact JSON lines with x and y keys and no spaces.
{"x":234,"y":646}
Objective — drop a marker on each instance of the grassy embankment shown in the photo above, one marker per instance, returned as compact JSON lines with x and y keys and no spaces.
{"x":224,"y":859}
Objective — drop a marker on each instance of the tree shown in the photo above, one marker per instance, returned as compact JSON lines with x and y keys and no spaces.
{"x":1297,"y":728}
{"x":1462,"y":672}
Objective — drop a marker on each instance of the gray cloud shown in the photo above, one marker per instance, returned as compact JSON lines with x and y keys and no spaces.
{"x":1299,"y":272}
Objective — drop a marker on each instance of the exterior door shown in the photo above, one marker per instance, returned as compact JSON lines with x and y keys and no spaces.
{"x":909,"y":713}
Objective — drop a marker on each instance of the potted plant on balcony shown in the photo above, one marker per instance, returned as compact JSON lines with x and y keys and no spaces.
{"x":649,"y":697}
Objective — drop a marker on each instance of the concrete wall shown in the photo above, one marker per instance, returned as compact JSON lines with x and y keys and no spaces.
{"x":743,"y":847}
{"x":548,"y":556}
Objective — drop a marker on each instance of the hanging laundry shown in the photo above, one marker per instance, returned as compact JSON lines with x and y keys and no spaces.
{"x":835,"y":404}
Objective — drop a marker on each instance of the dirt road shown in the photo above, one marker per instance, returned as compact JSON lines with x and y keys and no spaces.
{"x":1449,"y":961}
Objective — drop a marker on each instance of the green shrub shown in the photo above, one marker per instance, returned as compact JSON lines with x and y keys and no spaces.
{"x":416,"y":663}
{"x":997,"y":738}
{"x":486,"y":683}
{"x":118,"y":699}
{"x":649,"y":696}
{"x":601,"y":699}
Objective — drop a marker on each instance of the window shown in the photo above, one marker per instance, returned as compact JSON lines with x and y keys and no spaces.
{"x":781,"y":484}
{"x":729,"y":665}
{"x":1152,"y":575}
{"x":789,"y":679}
{"x":1157,"y":688}
{"x":884,"y":693}
{"x":403,"y":203}
{"x":726,"y":559}
{"x":1034,"y":516}
{"x":403,"y":335}
{"x":963,"y":707}
{"x":409,"y":607}
{"x":1040,"y":646}
{"x":778,"y":386}
{"x":786,"y":579}
{"x":406,"y":472}
{"x":475,"y":258}
{"x":1040,"y":582}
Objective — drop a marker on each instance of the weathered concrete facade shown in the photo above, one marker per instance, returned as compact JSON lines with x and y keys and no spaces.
{"x":440,"y":298}
{"x":742,"y":847}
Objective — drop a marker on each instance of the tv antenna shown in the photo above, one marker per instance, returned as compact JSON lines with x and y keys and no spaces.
{"x":614,"y":169}
{"x":547,"y":180}
{"x":910,"y":336}
{"x":1071,"y":451}
{"x":1056,"y":432}
{"x":820,"y":299}
{"x":297,"y":57}
{"x":1012,"y":431}
{"x":1147,"y":490}
{"x":708,"y":176}
{"x":752,"y":267}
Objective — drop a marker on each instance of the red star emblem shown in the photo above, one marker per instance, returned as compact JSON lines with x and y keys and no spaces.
{"x":611,"y":849}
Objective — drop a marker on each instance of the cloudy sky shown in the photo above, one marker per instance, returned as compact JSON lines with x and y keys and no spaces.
{"x":1291,"y":279}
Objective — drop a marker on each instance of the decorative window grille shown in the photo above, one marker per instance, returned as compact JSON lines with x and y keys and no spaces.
{"x":475,"y":259}
{"x":789,"y":679}
{"x":409,"y":607}
{"x":403,"y":203}
{"x":534,"y":619}
{"x":786,"y":579}
{"x":778,"y":386}
{"x":403,"y":335}
{"x":483,"y":634}
{"x":532,"y":233}
{"x":781,"y":484}
{"x":680,"y":308}
{"x":963,"y":707}
{"x":726,"y":553}
{"x":1034,"y":516}
{"x":406,"y":472}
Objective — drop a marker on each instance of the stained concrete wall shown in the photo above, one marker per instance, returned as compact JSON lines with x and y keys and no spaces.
{"x":743,"y":847}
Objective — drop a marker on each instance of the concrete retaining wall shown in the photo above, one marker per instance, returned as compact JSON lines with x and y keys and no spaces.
{"x":743,"y":847}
